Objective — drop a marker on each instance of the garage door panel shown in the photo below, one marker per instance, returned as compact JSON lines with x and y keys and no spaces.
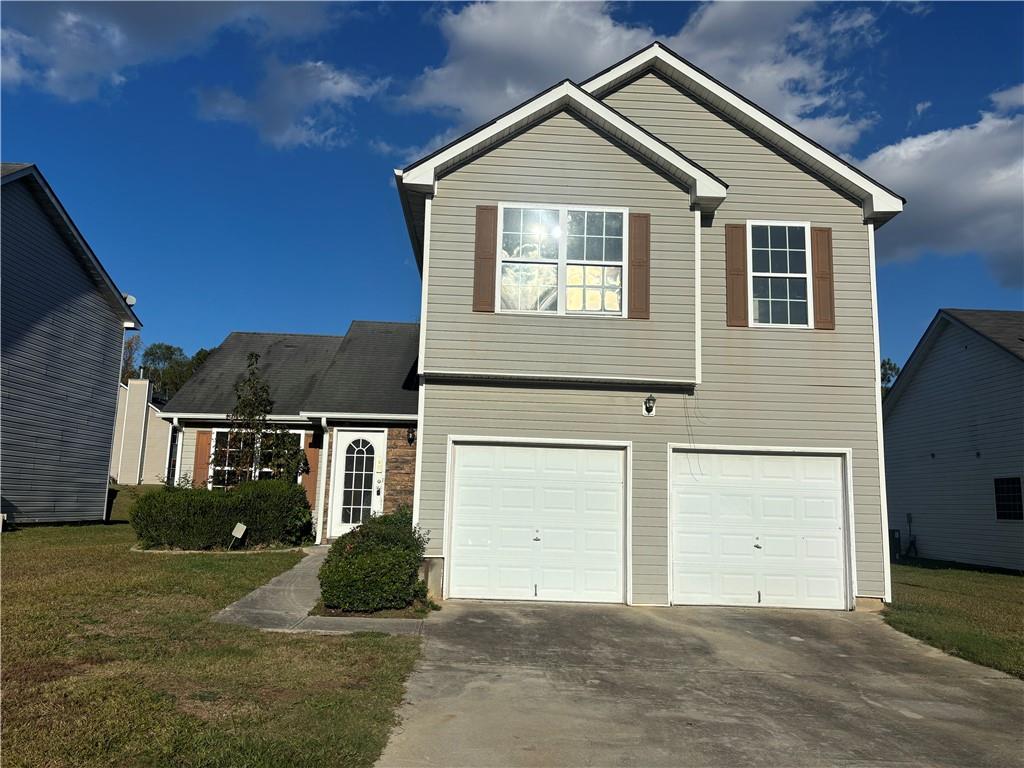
{"x":555,"y":523}
{"x":758,"y":529}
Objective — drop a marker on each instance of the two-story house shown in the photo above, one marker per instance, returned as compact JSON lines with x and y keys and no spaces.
{"x":648,"y":351}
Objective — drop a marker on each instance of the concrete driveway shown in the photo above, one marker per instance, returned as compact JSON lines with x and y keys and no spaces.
{"x":528,"y":684}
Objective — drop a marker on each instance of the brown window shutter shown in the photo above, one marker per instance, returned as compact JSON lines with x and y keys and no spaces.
{"x":824,"y":285}
{"x":485,"y":258}
{"x":201,"y":467}
{"x":736,"y":275}
{"x":311,"y":445}
{"x":639,"y":266}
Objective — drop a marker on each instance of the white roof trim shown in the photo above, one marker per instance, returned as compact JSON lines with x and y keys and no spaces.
{"x":360,"y":416}
{"x":224,"y":416}
{"x":706,"y":191}
{"x":878,"y":202}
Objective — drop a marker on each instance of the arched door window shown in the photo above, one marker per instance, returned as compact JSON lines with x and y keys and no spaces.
{"x":358,"y":484}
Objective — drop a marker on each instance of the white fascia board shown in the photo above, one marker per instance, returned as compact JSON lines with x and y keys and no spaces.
{"x":705,"y":190}
{"x":360,"y":416}
{"x":877,"y":202}
{"x":224,"y":417}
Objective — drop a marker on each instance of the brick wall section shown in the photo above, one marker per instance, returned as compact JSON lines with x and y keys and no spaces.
{"x":399,"y":473}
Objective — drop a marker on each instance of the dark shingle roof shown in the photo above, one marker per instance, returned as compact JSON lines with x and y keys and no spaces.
{"x":1002,"y":327}
{"x":372,"y":369}
{"x":291,"y":364}
{"x":373,"y":372}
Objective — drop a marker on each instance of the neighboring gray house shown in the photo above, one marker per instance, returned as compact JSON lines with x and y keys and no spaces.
{"x":143,"y":441}
{"x":349,"y":400}
{"x":954,"y":440}
{"x":63,"y":323}
{"x":649,"y":352}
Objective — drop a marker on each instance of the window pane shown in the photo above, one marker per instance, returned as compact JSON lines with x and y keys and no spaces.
{"x":574,"y":274}
{"x":613,"y":275}
{"x":613,"y":299}
{"x":576,"y":222}
{"x":512,"y":221}
{"x":796,"y":238}
{"x":593,"y":300}
{"x":760,"y":287}
{"x":780,"y":312}
{"x":759,"y":236}
{"x":574,"y":248}
{"x":529,"y":287}
{"x":595,"y":247}
{"x":778,"y":237}
{"x":573,"y":299}
{"x":595,"y":276}
{"x":798,"y":312}
{"x":797,"y":288}
{"x":595,"y":223}
{"x":761,"y":261}
{"x":762,"y":310}
{"x":778,"y":288}
{"x":613,"y":249}
{"x":613,"y":224}
{"x":531,"y":220}
{"x":778,"y":261}
{"x":797,"y":261}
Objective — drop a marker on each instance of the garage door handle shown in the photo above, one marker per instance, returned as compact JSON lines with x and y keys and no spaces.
{"x":536,"y":538}
{"x":757,"y":546}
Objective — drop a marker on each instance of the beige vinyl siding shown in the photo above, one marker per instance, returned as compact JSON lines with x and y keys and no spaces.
{"x":966,"y":398}
{"x":560,"y":161}
{"x":779,"y":386}
{"x":188,"y":452}
{"x":115,"y":449}
{"x":61,"y":353}
{"x":158,"y":436}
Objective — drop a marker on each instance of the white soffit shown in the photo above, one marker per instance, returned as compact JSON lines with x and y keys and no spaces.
{"x":879,"y":203}
{"x":706,"y":190}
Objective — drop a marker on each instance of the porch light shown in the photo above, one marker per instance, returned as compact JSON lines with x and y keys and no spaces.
{"x":649,"y":403}
{"x":411,"y":436}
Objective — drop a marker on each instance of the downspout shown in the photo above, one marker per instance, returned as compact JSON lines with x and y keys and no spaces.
{"x":321,"y":482}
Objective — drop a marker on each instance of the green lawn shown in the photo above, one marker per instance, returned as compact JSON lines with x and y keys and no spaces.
{"x":109,"y":659}
{"x":976,"y":615}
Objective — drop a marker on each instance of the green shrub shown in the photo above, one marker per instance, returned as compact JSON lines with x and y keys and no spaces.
{"x":273,"y":511}
{"x":375,"y":566}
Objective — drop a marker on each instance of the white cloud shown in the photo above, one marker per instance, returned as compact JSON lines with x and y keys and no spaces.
{"x":774,"y":53}
{"x":294,"y":105}
{"x":1009,"y":99}
{"x":78,"y":51}
{"x":965,"y":188}
{"x":921,"y":107}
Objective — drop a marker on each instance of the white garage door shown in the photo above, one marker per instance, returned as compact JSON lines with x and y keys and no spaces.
{"x":537,"y":523}
{"x":758,"y":529}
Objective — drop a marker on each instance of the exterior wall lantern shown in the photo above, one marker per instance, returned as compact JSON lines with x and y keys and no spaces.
{"x":649,"y":402}
{"x":411,"y":436}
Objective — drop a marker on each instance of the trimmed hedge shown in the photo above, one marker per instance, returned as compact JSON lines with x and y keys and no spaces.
{"x":275,"y":512}
{"x":375,"y":566}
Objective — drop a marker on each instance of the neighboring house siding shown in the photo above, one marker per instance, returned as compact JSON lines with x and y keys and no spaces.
{"x":158,"y":437}
{"x":964,"y":399}
{"x":560,"y":161}
{"x":130,"y":433}
{"x":760,"y":387}
{"x":61,"y":354}
{"x":115,"y":449}
{"x":188,"y":453}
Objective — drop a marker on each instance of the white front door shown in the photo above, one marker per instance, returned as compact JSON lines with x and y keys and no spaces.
{"x":537,"y":523}
{"x":357,"y":478}
{"x":758,"y":529}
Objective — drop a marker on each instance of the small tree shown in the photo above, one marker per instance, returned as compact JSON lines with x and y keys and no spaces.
{"x":889,"y":372}
{"x":255,"y":446}
{"x":130,"y":357}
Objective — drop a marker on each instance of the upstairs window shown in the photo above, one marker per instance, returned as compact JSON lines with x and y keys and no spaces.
{"x":780,"y":276}
{"x":562,"y":260}
{"x":1009,"y":501}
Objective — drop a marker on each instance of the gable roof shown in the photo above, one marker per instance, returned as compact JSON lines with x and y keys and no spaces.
{"x":369,"y":371}
{"x":879,"y":202}
{"x":373,"y":373}
{"x":291,"y":364}
{"x":43,"y":193}
{"x":1002,"y":328}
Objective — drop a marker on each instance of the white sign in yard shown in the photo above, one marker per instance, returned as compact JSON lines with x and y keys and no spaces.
{"x":239,"y":530}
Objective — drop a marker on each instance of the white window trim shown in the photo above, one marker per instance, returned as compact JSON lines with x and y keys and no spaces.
{"x":562,"y":262}
{"x":213,"y":452}
{"x":809,"y":276}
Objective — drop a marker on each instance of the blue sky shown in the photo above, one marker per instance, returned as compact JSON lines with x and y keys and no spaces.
{"x":231,"y":164}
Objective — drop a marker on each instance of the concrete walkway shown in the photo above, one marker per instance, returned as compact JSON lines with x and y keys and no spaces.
{"x":283,"y":605}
